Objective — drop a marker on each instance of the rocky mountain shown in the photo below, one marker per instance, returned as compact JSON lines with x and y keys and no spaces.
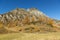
{"x":27,"y":20}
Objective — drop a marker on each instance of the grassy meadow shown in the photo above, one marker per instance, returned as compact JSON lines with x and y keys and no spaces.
{"x":30,"y":36}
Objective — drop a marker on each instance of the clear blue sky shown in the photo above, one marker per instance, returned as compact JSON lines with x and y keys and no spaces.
{"x":49,"y":7}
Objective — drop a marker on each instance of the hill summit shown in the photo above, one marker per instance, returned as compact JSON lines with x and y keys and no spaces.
{"x":27,"y":20}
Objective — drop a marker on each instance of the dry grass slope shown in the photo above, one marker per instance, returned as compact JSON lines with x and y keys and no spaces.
{"x":30,"y":36}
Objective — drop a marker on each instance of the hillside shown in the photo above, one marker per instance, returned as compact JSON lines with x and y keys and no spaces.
{"x":27,"y":20}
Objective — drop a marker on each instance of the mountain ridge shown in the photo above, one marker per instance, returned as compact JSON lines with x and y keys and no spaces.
{"x":27,"y":20}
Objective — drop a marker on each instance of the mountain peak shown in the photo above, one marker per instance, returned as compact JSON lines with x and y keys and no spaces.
{"x":21,"y":12}
{"x":33,"y":11}
{"x":28,"y":20}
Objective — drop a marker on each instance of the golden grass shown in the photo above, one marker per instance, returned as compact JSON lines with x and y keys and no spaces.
{"x":30,"y":36}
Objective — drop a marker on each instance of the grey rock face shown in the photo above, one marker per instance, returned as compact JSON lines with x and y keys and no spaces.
{"x":22,"y":15}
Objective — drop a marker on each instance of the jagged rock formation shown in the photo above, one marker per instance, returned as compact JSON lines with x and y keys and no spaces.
{"x":27,"y":20}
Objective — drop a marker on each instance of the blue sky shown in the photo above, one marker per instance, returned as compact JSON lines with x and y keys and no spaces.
{"x":50,"y":7}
